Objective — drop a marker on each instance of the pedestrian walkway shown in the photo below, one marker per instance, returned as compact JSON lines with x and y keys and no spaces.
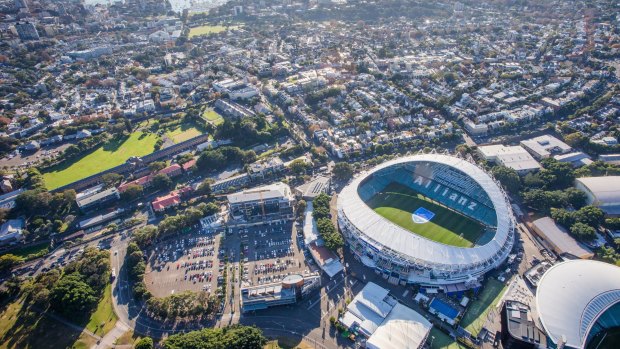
{"x":109,"y":340}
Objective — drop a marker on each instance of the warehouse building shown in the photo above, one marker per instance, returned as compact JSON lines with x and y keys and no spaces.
{"x":514,"y":157}
{"x":558,"y":239}
{"x":603,"y":192}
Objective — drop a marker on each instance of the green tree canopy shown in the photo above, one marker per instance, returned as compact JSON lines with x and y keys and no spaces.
{"x":343,"y":171}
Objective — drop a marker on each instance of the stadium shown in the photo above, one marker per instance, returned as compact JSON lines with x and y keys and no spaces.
{"x":429,"y":219}
{"x":578,"y":304}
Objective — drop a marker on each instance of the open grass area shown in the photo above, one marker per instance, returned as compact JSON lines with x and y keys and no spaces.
{"x":26,"y":329}
{"x":183,"y":132}
{"x":31,"y":252}
{"x":104,"y":157}
{"x":476,"y":314}
{"x":287,"y":343}
{"x":397,"y":203}
{"x":128,"y":338}
{"x":104,"y":318}
{"x":209,"y":29}
{"x":212,"y":116}
{"x":439,"y":340}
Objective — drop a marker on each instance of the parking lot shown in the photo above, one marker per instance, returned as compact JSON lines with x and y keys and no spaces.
{"x":188,"y":263}
{"x":268,"y":253}
{"x":195,"y":262}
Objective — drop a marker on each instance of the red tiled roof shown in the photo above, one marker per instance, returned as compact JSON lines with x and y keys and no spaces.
{"x":163,"y":202}
{"x":170,"y":169}
{"x":189,"y":164}
{"x":140,"y":181}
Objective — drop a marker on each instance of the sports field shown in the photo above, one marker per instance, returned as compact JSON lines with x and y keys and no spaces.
{"x":106,"y":156}
{"x":212,"y":116}
{"x":397,"y":203}
{"x":477,"y":313}
{"x":209,"y":29}
{"x":183,"y":132}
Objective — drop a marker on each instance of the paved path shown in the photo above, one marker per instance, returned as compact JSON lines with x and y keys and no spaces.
{"x":109,"y":340}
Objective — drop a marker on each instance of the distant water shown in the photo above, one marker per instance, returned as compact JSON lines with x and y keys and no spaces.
{"x":177,"y":5}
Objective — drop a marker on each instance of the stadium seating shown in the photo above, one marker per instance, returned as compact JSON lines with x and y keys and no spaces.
{"x":440,"y":174}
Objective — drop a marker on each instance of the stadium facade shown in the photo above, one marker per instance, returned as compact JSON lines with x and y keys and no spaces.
{"x":406,"y":257}
{"x":578,"y":302}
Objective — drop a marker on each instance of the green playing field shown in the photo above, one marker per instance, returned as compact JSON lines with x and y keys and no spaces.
{"x":397,"y":202}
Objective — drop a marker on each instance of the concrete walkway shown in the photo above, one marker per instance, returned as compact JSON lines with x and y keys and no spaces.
{"x":109,"y":340}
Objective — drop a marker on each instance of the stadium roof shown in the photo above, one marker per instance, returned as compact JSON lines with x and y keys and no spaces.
{"x":571,"y":296}
{"x":376,"y":228}
{"x":402,"y":328}
{"x":387,"y":323}
{"x":606,"y":191}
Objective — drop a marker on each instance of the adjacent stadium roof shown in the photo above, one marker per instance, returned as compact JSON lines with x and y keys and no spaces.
{"x":603,"y":192}
{"x":573,"y":295}
{"x":374,"y":227}
{"x":387,"y":323}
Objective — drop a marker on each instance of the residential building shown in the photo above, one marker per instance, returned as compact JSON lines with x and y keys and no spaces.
{"x":26,"y":31}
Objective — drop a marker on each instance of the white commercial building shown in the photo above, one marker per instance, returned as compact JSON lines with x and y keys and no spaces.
{"x":387,"y":324}
{"x":577,"y":301}
{"x":603,"y":192}
{"x":514,"y":157}
{"x":545,"y":146}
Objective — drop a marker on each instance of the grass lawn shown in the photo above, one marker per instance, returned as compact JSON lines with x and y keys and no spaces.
{"x":212,"y":116}
{"x":128,"y":338}
{"x":287,"y":343}
{"x":31,"y":251}
{"x":397,"y":202}
{"x":476,"y":314}
{"x":209,"y":29}
{"x":442,"y":340}
{"x":106,"y":156}
{"x":183,"y":132}
{"x":103,"y":315}
{"x":25,"y":329}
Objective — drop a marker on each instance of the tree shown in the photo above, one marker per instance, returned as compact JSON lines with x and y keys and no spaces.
{"x":590,"y":215}
{"x":145,"y":235}
{"x":72,"y":295}
{"x":8,"y":261}
{"x":299,"y":167}
{"x":508,"y":177}
{"x":144,"y":343}
{"x":210,"y":209}
{"x":300,"y":208}
{"x":157,"y":166}
{"x":204,"y":188}
{"x":111,"y":179}
{"x":563,"y":217}
{"x":576,"y":197}
{"x":132,"y":192}
{"x":333,"y":239}
{"x":583,"y":231}
{"x":232,"y":337}
{"x":575,"y":139}
{"x":162,"y":181}
{"x":343,"y":171}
